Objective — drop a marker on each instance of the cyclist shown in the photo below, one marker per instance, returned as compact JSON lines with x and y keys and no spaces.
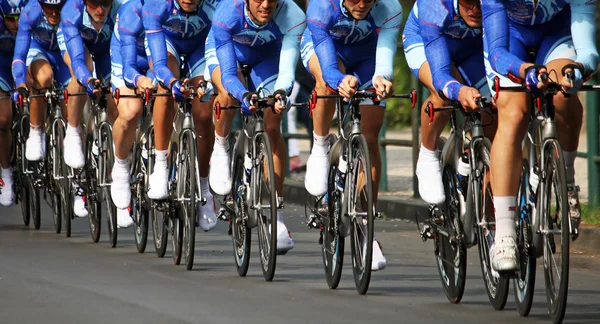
{"x":358,"y":37}
{"x":175,"y":28}
{"x":9,"y":23}
{"x":443,"y":44}
{"x":265,"y":35}
{"x":84,"y":41}
{"x":130,"y":71}
{"x":562,"y":35}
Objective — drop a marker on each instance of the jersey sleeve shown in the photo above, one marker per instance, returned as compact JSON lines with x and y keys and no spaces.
{"x":496,"y":36}
{"x":71,"y":23}
{"x":27,"y":18}
{"x":432,"y":21}
{"x":319,"y":19}
{"x":583,"y":31}
{"x":154,"y":13}
{"x":292,"y":27}
{"x":130,"y":26}
{"x":224,"y":22}
{"x":388,"y":18}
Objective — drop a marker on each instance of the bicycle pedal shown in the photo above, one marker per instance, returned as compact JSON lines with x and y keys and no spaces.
{"x":425,"y":233}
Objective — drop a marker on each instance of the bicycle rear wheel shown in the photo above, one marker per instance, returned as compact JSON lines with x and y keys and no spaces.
{"x":263,"y":190}
{"x":140,"y":212}
{"x":496,"y":286}
{"x":556,"y":232}
{"x":361,"y":211}
{"x":524,"y":283}
{"x":333,"y":243}
{"x":160,"y":218}
{"x":24,"y":199}
{"x":92,"y":192}
{"x":241,"y":234}
{"x":450,"y":250}
{"x":187,"y":183}
{"x":107,"y":159}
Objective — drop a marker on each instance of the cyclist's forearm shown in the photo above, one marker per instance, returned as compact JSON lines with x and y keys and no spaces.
{"x":290,"y":52}
{"x":497,"y":37}
{"x":160,"y":57}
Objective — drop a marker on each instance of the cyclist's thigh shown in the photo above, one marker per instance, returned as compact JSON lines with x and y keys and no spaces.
{"x":39,"y":65}
{"x":414,"y":51}
{"x":472,"y":70}
{"x":310,"y":59}
{"x":61,"y":71}
{"x":196,"y":63}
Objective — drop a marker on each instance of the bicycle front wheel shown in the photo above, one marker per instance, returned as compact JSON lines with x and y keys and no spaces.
{"x":359,"y":188}
{"x":187,"y":184}
{"x":160,"y":218}
{"x":555,"y":222}
{"x":333,"y":243}
{"x":93,"y":201}
{"x":107,"y":159}
{"x":240,"y":233}
{"x":176,"y":219}
{"x":263,"y":190}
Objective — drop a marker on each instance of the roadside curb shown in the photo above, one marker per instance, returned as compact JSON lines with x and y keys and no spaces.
{"x":406,"y":209}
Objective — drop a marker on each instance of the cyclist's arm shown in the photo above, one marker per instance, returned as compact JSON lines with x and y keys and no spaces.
{"x":319,"y":20}
{"x":495,"y":26}
{"x":224,"y":22}
{"x":292,"y":25}
{"x":154,"y":13}
{"x":23,"y":41}
{"x":71,"y":23}
{"x":431,"y":23}
{"x":583,"y":31}
{"x":388,"y":18}
{"x":130,"y":25}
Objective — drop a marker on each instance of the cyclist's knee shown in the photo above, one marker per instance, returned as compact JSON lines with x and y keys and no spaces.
{"x":43,"y":78}
{"x":436,"y":100}
{"x":274,"y":130}
{"x":322,"y":88}
{"x":130,"y":113}
{"x":5,"y":123}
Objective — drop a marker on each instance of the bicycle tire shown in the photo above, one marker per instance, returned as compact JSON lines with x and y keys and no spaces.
{"x":56,"y":210}
{"x":496,"y":286}
{"x":35,"y":207}
{"x":24,"y":198}
{"x":94,"y":204}
{"x":332,"y":247}
{"x":524,"y":283}
{"x":187,"y":174}
{"x":267,"y":224}
{"x":240,"y":233}
{"x":175,"y":220}
{"x":556,"y":294}
{"x":106,"y":161}
{"x":447,"y":249}
{"x":160,"y":218}
{"x":67,"y":201}
{"x":140,"y":224}
{"x":360,"y":164}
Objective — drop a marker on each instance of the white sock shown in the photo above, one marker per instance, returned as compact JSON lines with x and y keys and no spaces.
{"x":221,"y":143}
{"x":73,"y":131}
{"x":426,"y":156}
{"x":204,"y":187}
{"x":505,"y":209}
{"x":161,"y":160}
{"x":35,"y":130}
{"x":320,"y":146}
{"x":122,"y":164}
{"x":570,"y":166}
{"x":6,"y":173}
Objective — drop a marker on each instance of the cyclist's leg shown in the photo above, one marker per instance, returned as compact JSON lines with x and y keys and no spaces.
{"x":7,"y":195}
{"x":506,"y":162}
{"x":317,"y":165}
{"x":163,"y":114}
{"x":556,"y":51}
{"x":202,"y":112}
{"x":73,"y":153}
{"x":103,"y":72}
{"x":41,"y":73}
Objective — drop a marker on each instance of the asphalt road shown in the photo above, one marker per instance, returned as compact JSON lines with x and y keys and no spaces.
{"x":48,"y":278}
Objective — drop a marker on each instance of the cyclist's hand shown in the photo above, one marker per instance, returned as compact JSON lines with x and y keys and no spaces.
{"x":249,"y":103}
{"x":281,"y":101}
{"x":202,"y":89}
{"x":383,"y":87}
{"x":572,"y":78}
{"x":179,"y":90}
{"x":467,"y":97}
{"x":92,"y":88}
{"x":20,"y":92}
{"x":144,"y":83}
{"x":536,"y":79}
{"x":348,"y":86}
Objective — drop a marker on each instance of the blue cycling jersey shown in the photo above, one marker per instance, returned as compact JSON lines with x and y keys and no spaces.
{"x":332,"y":27}
{"x":129,"y":32}
{"x":32,"y":25}
{"x":233,"y":29}
{"x":79,"y":33}
{"x":498,"y":14}
{"x":165,"y":19}
{"x":439,"y":23}
{"x":7,"y":40}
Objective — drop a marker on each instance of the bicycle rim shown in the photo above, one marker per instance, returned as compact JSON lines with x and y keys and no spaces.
{"x":107,"y":155}
{"x":188,"y":175}
{"x":160,"y":218}
{"x":556,"y":224}
{"x":360,"y":209}
{"x":333,"y":243}
{"x":450,"y":249}
{"x":176,"y":220}
{"x":93,"y":201}
{"x":140,"y":212}
{"x":524,"y":283}
{"x":496,"y":286}
{"x":241,"y":234}
{"x":263,"y":189}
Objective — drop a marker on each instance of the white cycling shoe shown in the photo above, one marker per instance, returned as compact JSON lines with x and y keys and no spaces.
{"x":317,"y":170}
{"x":73,"y":151}
{"x":80,"y":206}
{"x":35,"y":148}
{"x":504,"y":255}
{"x":378,"y":262}
{"x":120,"y":188}
{"x":158,"y":184}
{"x":284,"y":238}
{"x":207,"y":214}
{"x":220,"y":177}
{"x":124,"y":219}
{"x":431,"y":187}
{"x":7,"y":194}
